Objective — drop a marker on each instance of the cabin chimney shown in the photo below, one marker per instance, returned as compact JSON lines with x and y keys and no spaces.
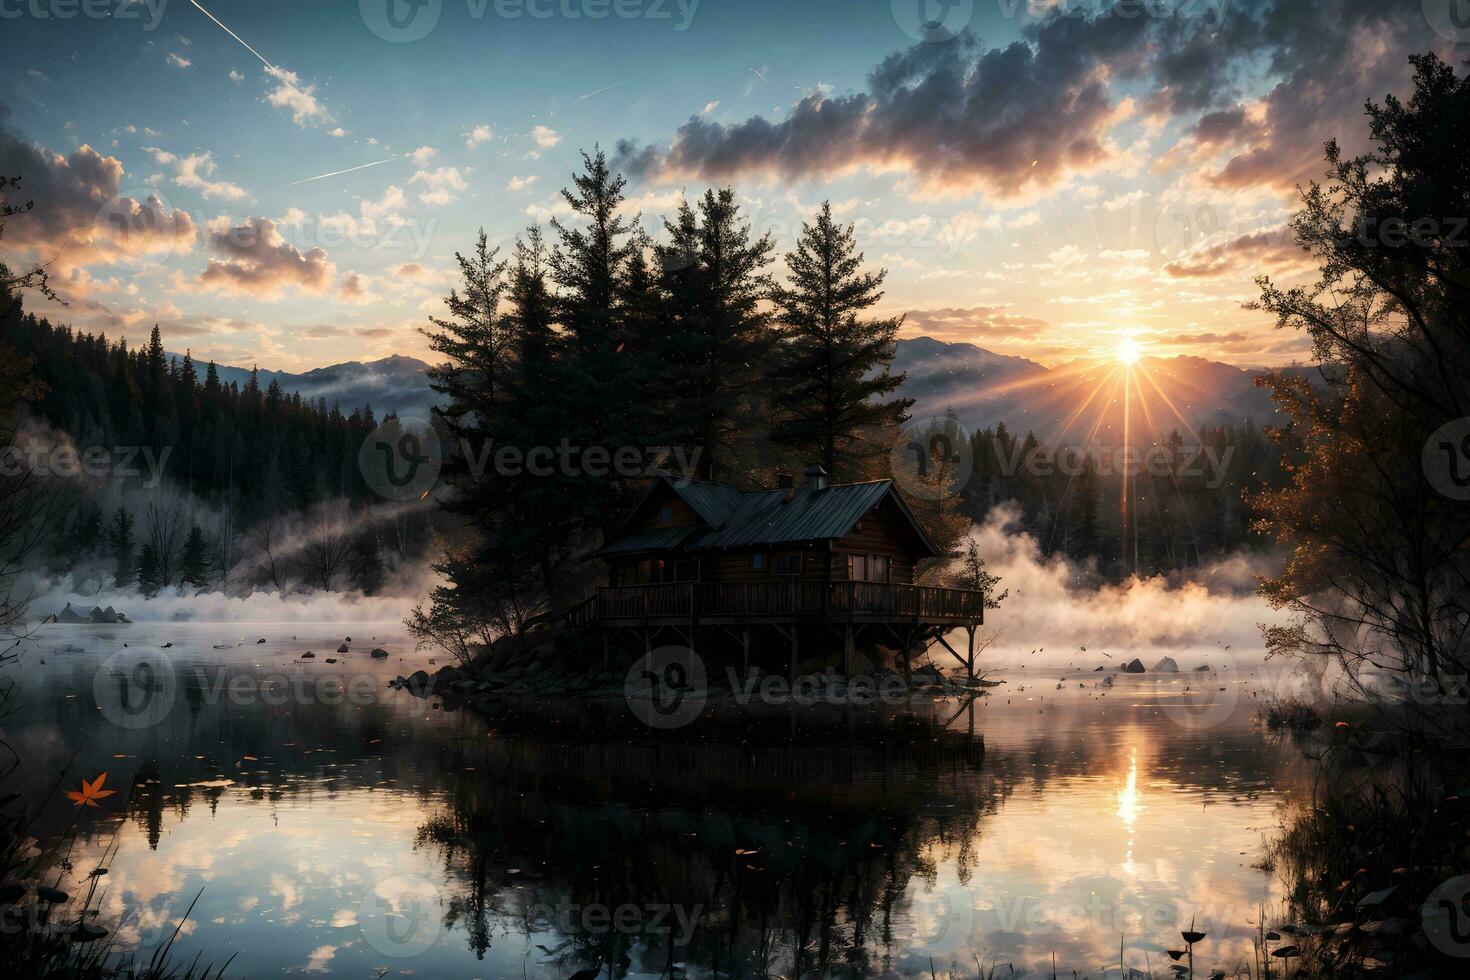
{"x":785,"y":481}
{"x":816,"y":477}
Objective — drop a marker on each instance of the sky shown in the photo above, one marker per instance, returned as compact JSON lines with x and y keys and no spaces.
{"x":285,"y":183}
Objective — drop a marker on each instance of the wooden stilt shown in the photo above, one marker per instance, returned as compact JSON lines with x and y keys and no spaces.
{"x":793,"y":652}
{"x":970,"y":659}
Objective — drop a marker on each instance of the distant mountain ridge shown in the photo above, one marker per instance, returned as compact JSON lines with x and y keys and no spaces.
{"x":982,"y":387}
{"x":396,"y":384}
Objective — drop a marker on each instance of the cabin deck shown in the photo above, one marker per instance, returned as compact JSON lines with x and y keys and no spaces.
{"x":792,"y":600}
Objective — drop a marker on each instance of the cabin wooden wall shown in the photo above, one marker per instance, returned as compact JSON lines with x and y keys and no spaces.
{"x":879,"y":533}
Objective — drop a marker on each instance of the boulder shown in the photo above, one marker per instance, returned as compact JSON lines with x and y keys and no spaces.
{"x":342,"y":648}
{"x":308,"y":655}
{"x":379,"y":653}
{"x":1134,"y":666}
{"x":418,"y":683}
{"x":70,"y":616}
{"x":1098,"y":668}
{"x":1165,"y":666}
{"x":1202,"y":669}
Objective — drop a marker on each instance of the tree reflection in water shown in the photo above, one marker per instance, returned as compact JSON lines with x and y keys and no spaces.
{"x":790,"y":855}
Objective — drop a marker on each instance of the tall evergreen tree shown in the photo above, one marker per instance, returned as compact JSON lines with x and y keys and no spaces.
{"x":120,"y":542}
{"x":150,"y":580}
{"x":719,"y":336}
{"x":832,"y":365}
{"x":194,"y":560}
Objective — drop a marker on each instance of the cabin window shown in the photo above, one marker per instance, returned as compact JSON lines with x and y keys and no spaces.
{"x":666,"y":514}
{"x":686,"y":570}
{"x":788,"y":565}
{"x":869,"y":568}
{"x":758,"y":563}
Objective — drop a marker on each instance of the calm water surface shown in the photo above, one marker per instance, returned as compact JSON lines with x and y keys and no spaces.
{"x":332,"y":826}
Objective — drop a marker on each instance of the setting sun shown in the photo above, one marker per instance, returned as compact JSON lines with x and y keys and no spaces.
{"x":1128,"y":352}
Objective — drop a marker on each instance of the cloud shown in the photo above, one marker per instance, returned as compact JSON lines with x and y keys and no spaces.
{"x":1240,"y":255}
{"x":520,"y":183}
{"x":971,"y":324}
{"x":412,"y":270}
{"x":194,"y":172}
{"x":257,"y":261}
{"x":440,"y":185}
{"x":545,"y":137}
{"x":1020,"y":119}
{"x":710,"y":107}
{"x":423,"y":155}
{"x":236,"y":76}
{"x":958,"y":116}
{"x":372,"y":215}
{"x":178,"y":61}
{"x":297,"y":99}
{"x":474,"y":137}
{"x":338,"y":132}
{"x":81,"y":214}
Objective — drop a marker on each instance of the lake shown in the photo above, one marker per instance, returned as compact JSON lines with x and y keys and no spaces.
{"x":330,"y":825}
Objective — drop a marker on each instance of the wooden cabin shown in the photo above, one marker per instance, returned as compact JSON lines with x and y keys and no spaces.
{"x":693,"y":553}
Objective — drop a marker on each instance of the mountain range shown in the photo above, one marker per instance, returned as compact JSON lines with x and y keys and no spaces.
{"x":980,"y":386}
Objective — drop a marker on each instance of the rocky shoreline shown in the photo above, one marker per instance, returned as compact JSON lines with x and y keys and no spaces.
{"x":554,"y":667}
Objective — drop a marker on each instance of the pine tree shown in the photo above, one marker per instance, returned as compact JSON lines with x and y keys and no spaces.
{"x":120,"y":542}
{"x":194,"y":560}
{"x":365,"y":564}
{"x":973,"y":575}
{"x":149,"y":578}
{"x":832,"y":365}
{"x":719,"y":336}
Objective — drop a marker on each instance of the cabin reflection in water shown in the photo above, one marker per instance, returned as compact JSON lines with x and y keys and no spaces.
{"x":780,"y":855}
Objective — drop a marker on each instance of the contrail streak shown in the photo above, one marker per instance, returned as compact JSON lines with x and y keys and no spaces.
{"x":605,"y":88}
{"x":233,"y":35}
{"x":757,"y":74}
{"x":334,"y":173}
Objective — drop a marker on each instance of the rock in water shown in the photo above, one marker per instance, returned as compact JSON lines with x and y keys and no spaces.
{"x":379,"y":653}
{"x":1134,"y":666}
{"x":70,"y":616}
{"x":308,"y":655}
{"x":418,"y":683}
{"x":1165,"y":666}
{"x":342,"y":648}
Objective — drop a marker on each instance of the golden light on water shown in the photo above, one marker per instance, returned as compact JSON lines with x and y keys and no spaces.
{"x":1128,"y":805}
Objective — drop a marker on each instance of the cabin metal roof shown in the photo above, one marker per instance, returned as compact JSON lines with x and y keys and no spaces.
{"x":801,"y":514}
{"x":737,"y":518}
{"x":652,"y":539}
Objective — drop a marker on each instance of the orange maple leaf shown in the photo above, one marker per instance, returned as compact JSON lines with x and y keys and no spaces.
{"x":91,"y":792}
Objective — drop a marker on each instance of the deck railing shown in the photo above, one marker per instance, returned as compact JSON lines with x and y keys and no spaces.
{"x":836,"y":601}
